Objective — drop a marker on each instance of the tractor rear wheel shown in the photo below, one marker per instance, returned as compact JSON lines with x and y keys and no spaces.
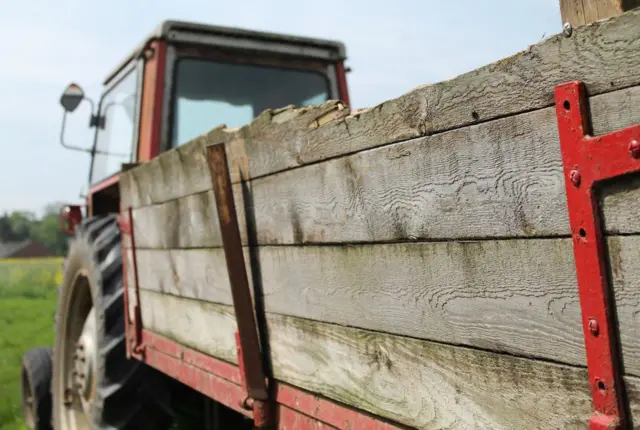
{"x":94,"y":385}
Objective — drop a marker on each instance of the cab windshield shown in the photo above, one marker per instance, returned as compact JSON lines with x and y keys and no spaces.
{"x":209,"y":93}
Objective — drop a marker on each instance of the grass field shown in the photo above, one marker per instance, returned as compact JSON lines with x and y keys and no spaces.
{"x":27,"y":307}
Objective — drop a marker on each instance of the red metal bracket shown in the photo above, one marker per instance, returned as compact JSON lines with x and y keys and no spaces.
{"x":134,"y":343}
{"x":587,"y":161}
{"x":214,"y":378}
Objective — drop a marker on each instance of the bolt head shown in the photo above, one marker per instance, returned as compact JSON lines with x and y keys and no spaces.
{"x":575,"y":177}
{"x":594,"y":327}
{"x":634,"y":148}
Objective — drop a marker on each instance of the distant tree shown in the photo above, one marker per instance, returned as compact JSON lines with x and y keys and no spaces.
{"x":6,"y":232}
{"x":21,"y":222}
{"x":21,"y":225}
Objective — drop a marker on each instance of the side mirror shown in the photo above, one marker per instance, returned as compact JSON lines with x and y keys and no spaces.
{"x":71,"y":97}
{"x":70,"y":100}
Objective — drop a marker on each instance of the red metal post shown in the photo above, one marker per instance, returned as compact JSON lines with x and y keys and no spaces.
{"x":134,"y":345}
{"x":587,"y":161}
{"x":341,"y":73}
{"x":124,"y":228}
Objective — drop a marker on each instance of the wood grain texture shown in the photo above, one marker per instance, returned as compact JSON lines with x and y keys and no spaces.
{"x":601,"y":54}
{"x":203,"y":326}
{"x":624,"y":255}
{"x":420,"y":384}
{"x":620,"y":203}
{"x":502,"y":178}
{"x":581,"y":12}
{"x":183,"y":170}
{"x":515,"y":296}
{"x":632,"y":386}
{"x":460,"y":293}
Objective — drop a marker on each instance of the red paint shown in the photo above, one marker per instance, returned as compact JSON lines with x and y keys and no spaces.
{"x":342,"y":83}
{"x":126,"y":227}
{"x":222,"y":382}
{"x":327,"y":411}
{"x":288,"y":419}
{"x":634,"y":149}
{"x":164,"y":355}
{"x":597,"y":159}
{"x":152,"y":102}
{"x":111,"y":180}
{"x":70,"y":217}
{"x":100,"y":186}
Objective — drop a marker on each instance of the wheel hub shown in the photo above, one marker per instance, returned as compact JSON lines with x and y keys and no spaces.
{"x":84,"y":358}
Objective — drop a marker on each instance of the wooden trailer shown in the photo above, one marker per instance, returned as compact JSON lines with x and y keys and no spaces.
{"x":432,"y":262}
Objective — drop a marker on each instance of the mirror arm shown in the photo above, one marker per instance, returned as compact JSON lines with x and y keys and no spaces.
{"x":77,"y":148}
{"x":74,"y":148}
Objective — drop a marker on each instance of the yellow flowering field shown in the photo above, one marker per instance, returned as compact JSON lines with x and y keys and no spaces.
{"x":33,"y":277}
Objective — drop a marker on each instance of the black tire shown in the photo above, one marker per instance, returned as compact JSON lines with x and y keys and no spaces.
{"x":36,"y":388}
{"x":93,"y":278}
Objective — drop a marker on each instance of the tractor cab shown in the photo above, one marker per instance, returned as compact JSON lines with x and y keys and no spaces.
{"x":185,"y":79}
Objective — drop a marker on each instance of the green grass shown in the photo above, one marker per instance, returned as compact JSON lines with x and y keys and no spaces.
{"x":27,"y":308}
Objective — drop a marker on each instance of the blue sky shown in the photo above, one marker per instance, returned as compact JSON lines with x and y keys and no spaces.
{"x":393,"y":46}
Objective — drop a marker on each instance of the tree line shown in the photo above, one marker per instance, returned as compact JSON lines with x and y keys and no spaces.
{"x":17,"y":226}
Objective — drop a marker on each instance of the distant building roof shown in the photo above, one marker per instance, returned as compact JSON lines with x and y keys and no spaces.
{"x":7,"y":249}
{"x":25,"y":248}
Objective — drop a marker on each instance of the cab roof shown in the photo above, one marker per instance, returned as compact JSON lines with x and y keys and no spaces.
{"x":240,"y":38}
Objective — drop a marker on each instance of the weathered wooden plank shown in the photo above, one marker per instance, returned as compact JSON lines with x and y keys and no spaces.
{"x":202,"y":326}
{"x":624,"y":255}
{"x":621,"y":205}
{"x":502,"y":178}
{"x":496,"y":295}
{"x":581,"y":12}
{"x":184,"y":170}
{"x":516,"y":296}
{"x":632,"y":386}
{"x":421,"y":384}
{"x":187,"y":222}
{"x":601,"y":54}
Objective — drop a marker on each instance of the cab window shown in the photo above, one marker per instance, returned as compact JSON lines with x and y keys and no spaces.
{"x":115,"y":139}
{"x":208,"y":93}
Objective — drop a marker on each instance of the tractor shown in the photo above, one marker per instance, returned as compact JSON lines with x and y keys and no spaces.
{"x":184,"y":79}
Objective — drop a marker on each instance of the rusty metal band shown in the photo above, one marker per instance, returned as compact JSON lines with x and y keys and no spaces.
{"x":251,"y":357}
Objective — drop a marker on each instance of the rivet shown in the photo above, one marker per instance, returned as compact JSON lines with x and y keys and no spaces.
{"x":594,"y":327}
{"x":634,"y":148}
{"x":575,"y":177}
